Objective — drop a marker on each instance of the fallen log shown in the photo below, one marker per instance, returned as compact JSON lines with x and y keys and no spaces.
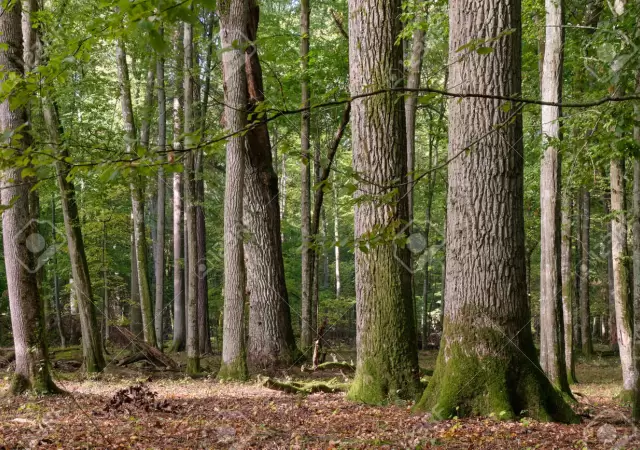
{"x":151,"y":354}
{"x":329,"y":365}
{"x":294,"y":387}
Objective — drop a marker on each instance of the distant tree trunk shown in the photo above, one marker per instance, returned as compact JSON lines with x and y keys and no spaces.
{"x":624,"y":304}
{"x":577,"y":336}
{"x":413,"y":75}
{"x":387,"y":363}
{"x":204,"y":334}
{"x":306,"y":326}
{"x":613,"y":335}
{"x":32,"y":370}
{"x":484,"y":310}
{"x":585,"y":312}
{"x":137,"y":189}
{"x":568,"y":286}
{"x":193,"y":344}
{"x":426,"y":300}
{"x":179,"y":326}
{"x":271,"y":340}
{"x":551,"y":314}
{"x":636,"y":262}
{"x":233,"y":23}
{"x":160,"y":225}
{"x":336,"y":235}
{"x":135,"y":315}
{"x":56,"y":280}
{"x":91,"y":341}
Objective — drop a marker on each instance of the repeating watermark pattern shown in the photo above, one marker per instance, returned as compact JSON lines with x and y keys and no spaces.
{"x":425,"y":244}
{"x":33,"y":235}
{"x":611,"y":58}
{"x":611,"y":428}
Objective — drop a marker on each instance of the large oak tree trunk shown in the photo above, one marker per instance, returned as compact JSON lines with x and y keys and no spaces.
{"x":487,"y":362}
{"x":552,"y":351}
{"x":233,"y":23}
{"x":636,"y":262}
{"x":32,"y":368}
{"x":271,"y":340}
{"x":387,"y":365}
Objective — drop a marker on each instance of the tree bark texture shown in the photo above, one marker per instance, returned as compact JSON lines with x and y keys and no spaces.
{"x":387,"y":366}
{"x":487,"y":361}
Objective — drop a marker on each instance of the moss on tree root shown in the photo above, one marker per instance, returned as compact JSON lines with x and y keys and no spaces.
{"x":478,"y":374}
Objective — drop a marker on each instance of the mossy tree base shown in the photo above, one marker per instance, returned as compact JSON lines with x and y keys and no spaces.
{"x":376,"y":383}
{"x":479,"y":374}
{"x":193,"y":366}
{"x":235,"y":370}
{"x":39,"y":386}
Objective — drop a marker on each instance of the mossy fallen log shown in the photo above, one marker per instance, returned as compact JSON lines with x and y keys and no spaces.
{"x":296,"y":387}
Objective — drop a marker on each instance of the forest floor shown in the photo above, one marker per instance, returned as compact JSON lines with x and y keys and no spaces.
{"x":177,"y":412}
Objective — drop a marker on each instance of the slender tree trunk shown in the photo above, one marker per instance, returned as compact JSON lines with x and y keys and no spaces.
{"x":91,"y":341}
{"x":271,"y":340}
{"x":552,"y":351}
{"x":32,"y":370}
{"x":135,"y":316}
{"x":193,"y":344}
{"x":160,"y":225}
{"x":336,"y":235}
{"x":426,"y":301}
{"x":305,"y":181}
{"x":204,"y":335}
{"x":56,"y":279}
{"x":577,"y":337}
{"x":137,"y":189}
{"x":179,"y":326}
{"x":636,"y":262}
{"x":624,"y":304}
{"x":487,"y":309}
{"x":613,"y":335}
{"x":568,"y":285}
{"x":585,"y":313}
{"x":387,"y":364}
{"x":233,"y":23}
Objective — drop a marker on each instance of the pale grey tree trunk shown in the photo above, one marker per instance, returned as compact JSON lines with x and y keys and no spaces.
{"x":193,"y":347}
{"x":306,"y":328}
{"x":336,"y":236}
{"x":613,"y":335}
{"x":485,"y":293}
{"x":32,"y":369}
{"x":624,"y":304}
{"x":387,"y":364}
{"x":552,"y":351}
{"x":135,"y":313}
{"x":179,"y":325}
{"x":568,"y":286}
{"x":233,"y":23}
{"x":585,"y":301}
{"x":137,"y":190}
{"x":162,"y":189}
{"x":91,"y":341}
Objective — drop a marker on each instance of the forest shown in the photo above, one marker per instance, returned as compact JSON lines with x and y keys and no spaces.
{"x":320,"y":224}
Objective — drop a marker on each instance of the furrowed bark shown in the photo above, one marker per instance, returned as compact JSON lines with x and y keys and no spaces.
{"x":387,"y":365}
{"x":485,"y":293}
{"x":233,"y":21}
